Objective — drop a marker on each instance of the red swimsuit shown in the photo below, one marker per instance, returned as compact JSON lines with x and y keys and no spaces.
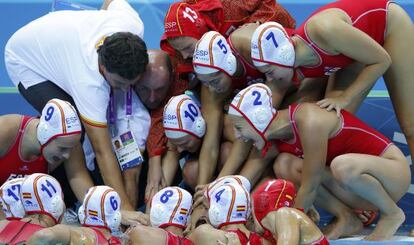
{"x":173,"y":239}
{"x":253,"y":239}
{"x":353,"y":137}
{"x":369,"y":16}
{"x":16,"y":232}
{"x":13,"y":166}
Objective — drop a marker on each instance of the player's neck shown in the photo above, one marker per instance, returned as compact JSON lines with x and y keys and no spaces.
{"x":39,"y":219}
{"x":280,"y":128}
{"x":175,"y":230}
{"x":30,"y":148}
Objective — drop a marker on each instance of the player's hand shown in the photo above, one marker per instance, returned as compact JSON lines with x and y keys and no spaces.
{"x":199,"y":214}
{"x":337,"y":104}
{"x":134,"y":218}
{"x":199,"y":195}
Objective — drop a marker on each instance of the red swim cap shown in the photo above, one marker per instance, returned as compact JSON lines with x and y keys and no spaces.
{"x":184,"y":20}
{"x":270,"y":196}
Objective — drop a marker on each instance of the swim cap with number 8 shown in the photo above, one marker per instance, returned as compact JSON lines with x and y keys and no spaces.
{"x":170,"y":206}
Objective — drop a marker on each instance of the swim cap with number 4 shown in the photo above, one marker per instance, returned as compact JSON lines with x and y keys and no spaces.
{"x":182,"y":116}
{"x":59,"y":118}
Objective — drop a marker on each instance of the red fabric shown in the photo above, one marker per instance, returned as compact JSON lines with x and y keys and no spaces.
{"x":101,"y":239}
{"x":253,"y":239}
{"x":251,"y":75}
{"x":322,"y":241}
{"x":16,"y":232}
{"x":272,"y":195}
{"x":173,"y":239}
{"x":369,"y":16}
{"x":184,"y":20}
{"x":354,"y":137}
{"x":13,"y":166}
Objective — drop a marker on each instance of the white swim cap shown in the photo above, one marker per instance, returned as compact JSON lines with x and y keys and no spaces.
{"x":10,"y":200}
{"x":229,"y":204}
{"x":182,"y":116}
{"x":232,"y":179}
{"x":101,"y":208}
{"x":254,"y":104}
{"x":271,"y":44}
{"x":42,"y":194}
{"x":170,"y":207}
{"x":212,"y":54}
{"x":59,"y":118}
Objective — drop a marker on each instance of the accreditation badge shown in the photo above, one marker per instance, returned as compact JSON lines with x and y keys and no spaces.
{"x":126,"y":150}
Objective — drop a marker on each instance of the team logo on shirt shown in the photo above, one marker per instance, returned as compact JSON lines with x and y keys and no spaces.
{"x":330,"y":70}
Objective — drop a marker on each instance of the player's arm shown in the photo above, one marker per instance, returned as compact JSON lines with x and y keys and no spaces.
{"x":152,"y":235}
{"x":107,"y":162}
{"x":314,"y":126}
{"x":78,"y":176}
{"x":287,"y":227}
{"x":206,"y":234}
{"x":212,"y":109}
{"x":238,"y":155}
{"x":8,"y":131}
{"x":341,"y":37}
{"x":61,"y":234}
{"x":170,"y":162}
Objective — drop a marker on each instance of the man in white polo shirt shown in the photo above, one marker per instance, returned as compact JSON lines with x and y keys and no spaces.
{"x":79,"y":56}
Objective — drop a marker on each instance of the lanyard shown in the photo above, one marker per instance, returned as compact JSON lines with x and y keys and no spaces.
{"x":112,"y":106}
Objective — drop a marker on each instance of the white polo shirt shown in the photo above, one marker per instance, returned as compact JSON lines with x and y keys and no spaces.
{"x":62,"y":47}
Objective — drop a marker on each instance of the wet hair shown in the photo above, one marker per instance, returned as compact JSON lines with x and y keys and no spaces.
{"x":125,"y":54}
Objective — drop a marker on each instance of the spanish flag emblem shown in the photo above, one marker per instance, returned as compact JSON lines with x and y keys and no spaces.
{"x":92,"y":213}
{"x":27,"y":195}
{"x":241,"y":208}
{"x":183,"y":211}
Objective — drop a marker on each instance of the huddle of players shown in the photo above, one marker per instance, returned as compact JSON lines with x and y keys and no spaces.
{"x":34,"y":209}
